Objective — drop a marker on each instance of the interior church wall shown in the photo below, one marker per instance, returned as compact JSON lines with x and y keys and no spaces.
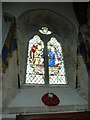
{"x":89,"y":76}
{"x":22,"y":37}
{"x":10,"y":81}
{"x":67,"y":37}
{"x":9,"y":75}
{"x":64,"y":8}
{"x":0,"y":64}
{"x":69,"y":48}
{"x":88,"y":11}
{"x":82,"y":78}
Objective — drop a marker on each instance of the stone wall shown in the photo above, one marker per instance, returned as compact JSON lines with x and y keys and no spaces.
{"x":89,"y":76}
{"x":62,"y":27}
{"x":0,"y":61}
{"x":82,"y":78}
{"x":10,"y":81}
{"x":26,"y":26}
{"x":67,"y":34}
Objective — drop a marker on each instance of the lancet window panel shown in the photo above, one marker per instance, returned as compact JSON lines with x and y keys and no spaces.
{"x":35,"y":61}
{"x":35,"y":71}
{"x":57,"y":73}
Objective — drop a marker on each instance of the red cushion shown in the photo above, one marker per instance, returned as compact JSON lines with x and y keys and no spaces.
{"x":50,"y":101}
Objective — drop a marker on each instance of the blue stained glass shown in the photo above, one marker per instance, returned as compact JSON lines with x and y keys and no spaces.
{"x":35,"y":73}
{"x":56,"y":62}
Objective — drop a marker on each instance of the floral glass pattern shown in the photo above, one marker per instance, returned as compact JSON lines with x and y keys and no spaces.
{"x":56,"y":62}
{"x":35,"y":61}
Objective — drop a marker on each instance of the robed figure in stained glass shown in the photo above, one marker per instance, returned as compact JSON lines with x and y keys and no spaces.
{"x":55,"y":63}
{"x":53,"y":57}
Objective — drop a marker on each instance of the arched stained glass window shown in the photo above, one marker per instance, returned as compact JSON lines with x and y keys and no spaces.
{"x":45,"y":64}
{"x":56,"y":62}
{"x":35,"y":61}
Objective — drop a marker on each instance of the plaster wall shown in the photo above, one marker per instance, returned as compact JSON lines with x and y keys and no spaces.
{"x":10,"y":81}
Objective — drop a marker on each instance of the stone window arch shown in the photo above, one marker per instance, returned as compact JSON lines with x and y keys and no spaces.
{"x":45,"y":62}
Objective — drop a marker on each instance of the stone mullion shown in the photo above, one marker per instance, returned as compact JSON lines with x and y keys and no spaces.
{"x":46,"y":63}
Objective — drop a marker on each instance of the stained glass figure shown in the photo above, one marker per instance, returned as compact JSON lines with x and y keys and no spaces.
{"x":35,"y":61}
{"x":56,"y":62}
{"x":44,"y":30}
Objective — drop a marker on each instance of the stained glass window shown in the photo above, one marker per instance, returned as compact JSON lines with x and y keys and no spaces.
{"x":35,"y":71}
{"x":44,"y":30}
{"x":56,"y":62}
{"x":35,"y":61}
